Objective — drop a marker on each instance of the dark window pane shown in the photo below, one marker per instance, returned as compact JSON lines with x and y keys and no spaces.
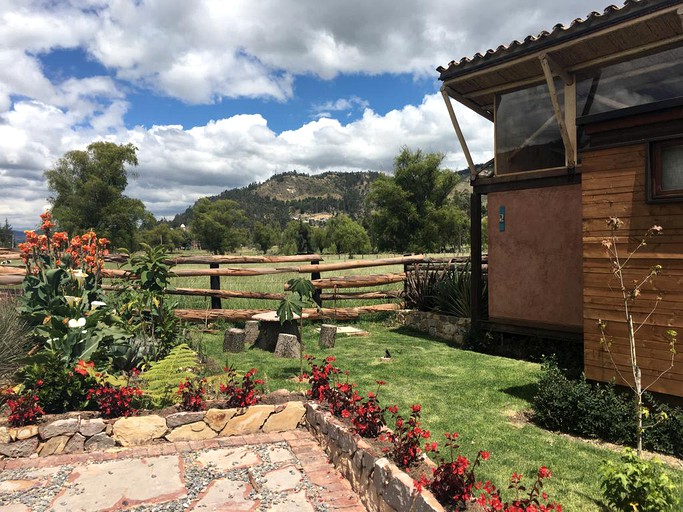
{"x":648,"y":79}
{"x":527,"y":135}
{"x":672,"y":168}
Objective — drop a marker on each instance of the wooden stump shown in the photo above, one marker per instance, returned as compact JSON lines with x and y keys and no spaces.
{"x":328,"y":335}
{"x":250,"y":332}
{"x":233,"y":341}
{"x":269,"y":331}
{"x":288,"y":346}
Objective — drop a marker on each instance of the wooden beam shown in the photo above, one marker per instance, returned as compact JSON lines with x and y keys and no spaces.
{"x":566,"y":77}
{"x":358,"y":281}
{"x":347,"y":265}
{"x":475,"y":257}
{"x":458,"y":133}
{"x":472,"y":105}
{"x":559,"y":116}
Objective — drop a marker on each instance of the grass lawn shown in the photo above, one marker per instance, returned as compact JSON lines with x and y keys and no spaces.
{"x":479,"y":396}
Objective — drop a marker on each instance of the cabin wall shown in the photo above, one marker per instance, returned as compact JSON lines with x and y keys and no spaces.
{"x":613,"y":184}
{"x":535,"y":273}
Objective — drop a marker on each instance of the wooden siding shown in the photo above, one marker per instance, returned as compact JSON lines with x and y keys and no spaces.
{"x":614,"y":184}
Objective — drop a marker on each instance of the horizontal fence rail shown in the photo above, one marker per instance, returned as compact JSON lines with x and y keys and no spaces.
{"x":328,"y":289}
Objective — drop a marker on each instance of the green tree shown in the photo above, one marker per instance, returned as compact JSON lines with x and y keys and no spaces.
{"x":162,"y":233}
{"x":6,"y":235}
{"x":87,"y":192}
{"x":347,"y":235}
{"x":219,"y":225}
{"x":264,"y":236}
{"x":296,"y":238}
{"x":405,"y":206}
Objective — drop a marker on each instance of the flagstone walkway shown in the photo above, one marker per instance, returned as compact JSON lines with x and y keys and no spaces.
{"x":262,"y":472}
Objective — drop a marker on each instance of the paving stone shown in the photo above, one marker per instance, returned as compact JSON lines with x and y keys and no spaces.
{"x":15,"y":507}
{"x":197,"y":431}
{"x":226,"y":459}
{"x":23,"y":448}
{"x":183,"y":418}
{"x":19,"y":485}
{"x":91,"y":427}
{"x":118,"y":484}
{"x":59,"y":428}
{"x":227,"y":495}
{"x":99,"y":441}
{"x":218,"y":418}
{"x":139,"y":430}
{"x":249,"y":422}
{"x":279,"y":454}
{"x":294,"y":502}
{"x":283,"y":479}
{"x":287,"y":419}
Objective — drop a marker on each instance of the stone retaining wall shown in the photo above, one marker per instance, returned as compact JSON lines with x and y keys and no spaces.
{"x":443,"y":327}
{"x":381,"y":485}
{"x":75,"y":435}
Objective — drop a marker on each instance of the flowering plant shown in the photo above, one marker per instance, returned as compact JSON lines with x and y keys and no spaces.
{"x":453,"y":478}
{"x":192,"y":393}
{"x":243,"y":394}
{"x":368,"y":419}
{"x":114,"y":402}
{"x":23,"y":407}
{"x":320,"y":377}
{"x":406,"y":437}
{"x":534,"y":501}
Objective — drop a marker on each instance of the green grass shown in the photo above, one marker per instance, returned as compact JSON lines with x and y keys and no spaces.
{"x":479,"y":396}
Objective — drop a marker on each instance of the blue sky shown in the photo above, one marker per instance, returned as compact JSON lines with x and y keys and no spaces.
{"x":218,"y":94}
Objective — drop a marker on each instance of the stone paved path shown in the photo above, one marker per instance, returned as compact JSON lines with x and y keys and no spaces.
{"x":263,"y":472}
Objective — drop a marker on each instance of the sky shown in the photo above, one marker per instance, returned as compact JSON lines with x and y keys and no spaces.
{"x":217,"y":94}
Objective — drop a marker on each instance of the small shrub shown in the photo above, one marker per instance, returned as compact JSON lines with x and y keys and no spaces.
{"x":192,"y":393}
{"x":24,"y":408}
{"x":161,"y":379}
{"x":534,"y":501}
{"x":115,"y":402}
{"x":637,"y":484}
{"x":320,"y":378}
{"x":368,"y":417}
{"x":406,"y":437}
{"x":421,"y":287}
{"x":452,"y":293}
{"x":241,"y":394}
{"x":453,"y":478}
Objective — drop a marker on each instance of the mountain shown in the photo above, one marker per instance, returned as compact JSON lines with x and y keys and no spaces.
{"x":298,"y":195}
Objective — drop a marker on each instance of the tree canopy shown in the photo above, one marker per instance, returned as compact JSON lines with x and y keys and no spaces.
{"x":219,"y":225}
{"x":347,"y":235}
{"x":410,"y":208}
{"x":87,"y":192}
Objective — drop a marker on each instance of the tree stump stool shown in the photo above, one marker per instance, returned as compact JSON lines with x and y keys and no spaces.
{"x":233,"y":341}
{"x":288,"y":346}
{"x":251,"y":332}
{"x":328,"y":335}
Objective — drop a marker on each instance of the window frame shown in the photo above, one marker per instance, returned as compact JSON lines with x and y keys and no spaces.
{"x":655,"y":170}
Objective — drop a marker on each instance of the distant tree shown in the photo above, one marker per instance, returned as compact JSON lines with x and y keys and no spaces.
{"x":404,"y":206}
{"x":163,"y":234}
{"x":264,"y":236}
{"x":347,"y":235}
{"x":318,"y":237}
{"x":219,"y":225}
{"x":6,"y":235}
{"x":296,"y":238}
{"x":87,"y":188}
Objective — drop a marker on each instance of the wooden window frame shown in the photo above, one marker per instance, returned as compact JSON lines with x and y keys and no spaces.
{"x":655,"y":170}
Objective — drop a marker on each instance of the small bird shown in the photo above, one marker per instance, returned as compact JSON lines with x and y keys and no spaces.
{"x":387,"y":354}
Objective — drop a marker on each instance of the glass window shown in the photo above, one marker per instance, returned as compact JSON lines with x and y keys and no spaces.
{"x":666,"y":172}
{"x":527,"y":135}
{"x":640,"y":81}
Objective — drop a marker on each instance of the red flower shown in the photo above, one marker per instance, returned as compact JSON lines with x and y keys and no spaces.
{"x":484,"y":455}
{"x":416,"y":407}
{"x":544,"y":472}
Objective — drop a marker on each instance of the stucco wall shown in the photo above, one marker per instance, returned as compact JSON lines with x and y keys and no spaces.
{"x":535,"y":265}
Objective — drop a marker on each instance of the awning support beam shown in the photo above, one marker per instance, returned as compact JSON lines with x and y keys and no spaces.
{"x":458,"y":132}
{"x":568,"y":146}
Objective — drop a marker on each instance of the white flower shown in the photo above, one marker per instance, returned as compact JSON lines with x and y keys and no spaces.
{"x":76,"y":324}
{"x":78,"y":275}
{"x":97,"y":304}
{"x":71,"y":300}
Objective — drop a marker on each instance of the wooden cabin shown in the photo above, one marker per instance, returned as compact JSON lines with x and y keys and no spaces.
{"x":588,"y":123}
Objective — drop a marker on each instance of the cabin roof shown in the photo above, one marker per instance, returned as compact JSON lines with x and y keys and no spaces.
{"x":637,"y":27}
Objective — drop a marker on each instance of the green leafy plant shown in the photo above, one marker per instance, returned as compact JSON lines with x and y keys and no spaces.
{"x":161,"y":380}
{"x":291,"y":308}
{"x":422,"y":284}
{"x":453,"y":295}
{"x":143,"y":306}
{"x":634,"y":484}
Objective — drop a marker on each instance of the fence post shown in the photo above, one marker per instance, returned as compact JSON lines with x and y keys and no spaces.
{"x":215,"y":284}
{"x":317,"y":294}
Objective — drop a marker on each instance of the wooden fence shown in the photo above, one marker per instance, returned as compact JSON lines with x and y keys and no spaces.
{"x":333,"y":288}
